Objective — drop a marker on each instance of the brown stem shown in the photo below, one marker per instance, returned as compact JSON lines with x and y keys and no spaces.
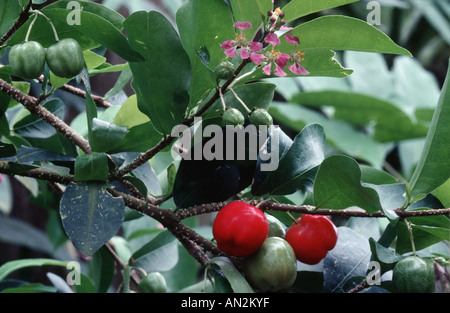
{"x":81,"y":93}
{"x":33,"y":105}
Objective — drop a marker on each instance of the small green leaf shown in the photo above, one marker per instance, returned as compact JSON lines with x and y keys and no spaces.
{"x":338,"y":186}
{"x":92,"y":167}
{"x":160,"y":254}
{"x":295,"y":165}
{"x":106,"y":136}
{"x":90,"y":215}
{"x":32,"y":126}
{"x":11,"y":266}
{"x":237,"y":281}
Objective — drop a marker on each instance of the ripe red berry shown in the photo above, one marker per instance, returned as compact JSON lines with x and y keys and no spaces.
{"x":240,"y":229}
{"x":312,"y":238}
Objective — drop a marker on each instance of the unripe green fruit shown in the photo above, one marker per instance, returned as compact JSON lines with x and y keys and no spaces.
{"x":273,"y":267}
{"x":153,"y":283}
{"x":225,"y":70}
{"x":233,"y":116}
{"x":260,"y":117}
{"x":65,"y":58}
{"x":27,"y":59}
{"x":276,"y":228}
{"x":413,"y":275}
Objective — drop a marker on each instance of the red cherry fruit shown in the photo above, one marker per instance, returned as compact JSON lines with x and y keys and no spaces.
{"x":240,"y":229}
{"x":312,"y":238}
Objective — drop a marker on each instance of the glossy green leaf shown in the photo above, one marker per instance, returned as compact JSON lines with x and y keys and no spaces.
{"x":433,"y":168}
{"x":93,"y":166}
{"x":196,"y":21}
{"x":34,"y":127}
{"x":335,"y":32}
{"x":9,"y":12}
{"x":426,"y":231}
{"x":162,"y":81}
{"x":299,"y":8}
{"x":296,"y":167}
{"x":339,"y":134}
{"x":160,"y":254}
{"x":11,"y":266}
{"x":389,"y":122}
{"x":237,"y":281}
{"x":338,"y":186}
{"x":90,"y":215}
{"x":253,"y":11}
{"x":106,"y":136}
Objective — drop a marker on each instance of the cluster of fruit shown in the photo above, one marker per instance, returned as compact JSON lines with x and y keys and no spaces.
{"x":270,"y":252}
{"x":64,"y":58}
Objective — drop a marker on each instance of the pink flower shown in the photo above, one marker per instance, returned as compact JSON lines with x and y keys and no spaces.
{"x":296,"y":56}
{"x":247,"y":48}
{"x":291,"y":39}
{"x":272,"y":39}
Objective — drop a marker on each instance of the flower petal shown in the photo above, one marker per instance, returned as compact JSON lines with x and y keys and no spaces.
{"x":231,"y":52}
{"x":244,"y":54}
{"x":297,"y":69}
{"x":255,"y":46}
{"x":279,"y":71}
{"x":282,"y":60}
{"x":291,"y":39}
{"x":257,"y":58}
{"x":272,"y":39}
{"x":228,"y":44}
{"x":267,"y":69}
{"x":242,"y":25}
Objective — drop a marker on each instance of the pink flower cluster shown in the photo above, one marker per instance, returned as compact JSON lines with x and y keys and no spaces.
{"x":271,"y":58}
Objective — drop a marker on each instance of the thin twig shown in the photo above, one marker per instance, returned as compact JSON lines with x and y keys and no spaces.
{"x":33,"y":105}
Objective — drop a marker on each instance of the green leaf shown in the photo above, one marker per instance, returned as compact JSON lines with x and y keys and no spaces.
{"x":338,"y":186}
{"x":102,"y":270}
{"x":9,"y":12}
{"x":339,"y":134}
{"x":11,"y":266}
{"x":93,"y":166}
{"x":335,"y":32}
{"x":90,"y":215}
{"x":253,"y":11}
{"x":433,"y":168}
{"x":299,"y":8}
{"x":160,"y":254}
{"x":106,"y":136}
{"x":296,"y":166}
{"x":162,"y":81}
{"x":33,"y":126}
{"x":389,"y":122}
{"x":91,"y":113}
{"x":237,"y":281}
{"x":196,"y":21}
{"x":426,"y":230}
